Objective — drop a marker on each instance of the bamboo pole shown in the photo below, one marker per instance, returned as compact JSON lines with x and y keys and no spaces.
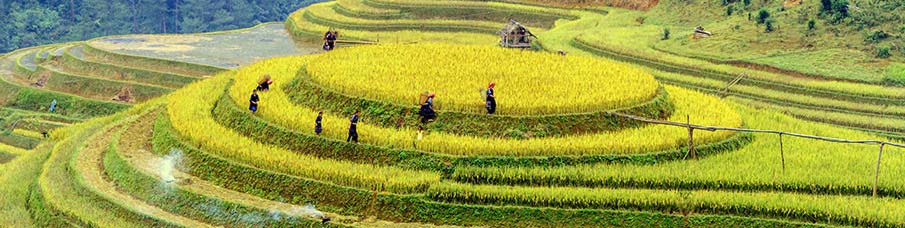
{"x":713,"y":128}
{"x":690,"y":138}
{"x":691,"y":127}
{"x":877,"y":173}
{"x":782,"y":154}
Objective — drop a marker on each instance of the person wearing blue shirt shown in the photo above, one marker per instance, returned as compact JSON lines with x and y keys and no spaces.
{"x":253,"y":101}
{"x":353,"y":129}
{"x":318,"y":126}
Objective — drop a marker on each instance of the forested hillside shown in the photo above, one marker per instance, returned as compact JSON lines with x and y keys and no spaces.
{"x":32,"y":22}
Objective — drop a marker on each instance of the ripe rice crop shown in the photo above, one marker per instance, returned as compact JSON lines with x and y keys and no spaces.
{"x":28,"y":133}
{"x":12,"y":149}
{"x":276,"y":107}
{"x":475,"y":4}
{"x":855,"y":210}
{"x":190,"y":112}
{"x":358,"y":6}
{"x":530,"y":83}
{"x":324,"y":12}
{"x":811,"y":166}
{"x":300,"y":26}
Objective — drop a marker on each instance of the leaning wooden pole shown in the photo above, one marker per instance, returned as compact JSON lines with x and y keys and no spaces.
{"x":691,"y":138}
{"x":877,"y":173}
{"x":782,"y":154}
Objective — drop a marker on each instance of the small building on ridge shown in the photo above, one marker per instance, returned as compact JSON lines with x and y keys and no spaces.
{"x":514,"y":35}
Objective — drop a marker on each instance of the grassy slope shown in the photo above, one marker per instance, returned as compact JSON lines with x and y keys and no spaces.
{"x":831,"y":50}
{"x":618,"y":31}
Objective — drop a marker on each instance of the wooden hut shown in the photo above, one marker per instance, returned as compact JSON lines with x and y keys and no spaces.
{"x":514,"y":35}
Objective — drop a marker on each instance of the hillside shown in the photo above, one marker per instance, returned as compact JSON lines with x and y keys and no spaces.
{"x":600,"y":122}
{"x":31,"y":23}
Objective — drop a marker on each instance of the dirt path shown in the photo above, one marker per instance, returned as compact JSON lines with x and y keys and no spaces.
{"x":137,"y":151}
{"x":89,"y":163}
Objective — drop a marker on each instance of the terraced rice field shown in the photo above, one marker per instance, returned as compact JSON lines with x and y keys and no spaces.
{"x":192,"y":155}
{"x":227,"y":50}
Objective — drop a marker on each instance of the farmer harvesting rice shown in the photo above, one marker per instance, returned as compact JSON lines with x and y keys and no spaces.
{"x":264,"y":83}
{"x":491,"y":101}
{"x":318,"y":126}
{"x":253,"y":101}
{"x":427,"y":110}
{"x":427,"y":114}
{"x":353,"y":130}
{"x":330,"y":40}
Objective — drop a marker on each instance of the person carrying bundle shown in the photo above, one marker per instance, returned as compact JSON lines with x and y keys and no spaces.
{"x":253,"y":101}
{"x":264,"y":83}
{"x":490,"y":99}
{"x":427,"y":110}
{"x":427,"y":113}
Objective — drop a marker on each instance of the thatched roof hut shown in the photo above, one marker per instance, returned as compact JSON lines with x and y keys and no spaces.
{"x":514,"y":35}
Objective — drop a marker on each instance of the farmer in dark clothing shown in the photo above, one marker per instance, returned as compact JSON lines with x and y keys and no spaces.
{"x":318,"y":126}
{"x":264,"y":85}
{"x":330,"y":40}
{"x":253,"y":101}
{"x":353,"y":129}
{"x":427,"y":114}
{"x":491,"y":100}
{"x":427,"y":110}
{"x":327,"y":43}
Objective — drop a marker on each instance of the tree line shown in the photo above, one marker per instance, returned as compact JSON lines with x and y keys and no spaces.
{"x":26,"y":23}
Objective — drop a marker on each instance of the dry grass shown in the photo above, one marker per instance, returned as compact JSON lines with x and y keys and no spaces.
{"x":157,"y":43}
{"x":88,"y":163}
{"x":628,"y":4}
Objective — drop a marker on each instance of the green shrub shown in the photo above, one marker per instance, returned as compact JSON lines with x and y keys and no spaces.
{"x":747,"y":2}
{"x":876,"y":36}
{"x":762,"y":16}
{"x":883,"y":52}
{"x":826,"y":5}
{"x":834,"y":10}
{"x":812,"y":24}
{"x":665,"y":33}
{"x":729,"y":11}
{"x":769,"y":26}
{"x":840,"y":7}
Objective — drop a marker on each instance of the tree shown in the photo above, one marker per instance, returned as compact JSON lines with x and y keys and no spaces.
{"x":35,"y":22}
{"x":194,"y":16}
{"x":883,"y":52}
{"x":241,"y":12}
